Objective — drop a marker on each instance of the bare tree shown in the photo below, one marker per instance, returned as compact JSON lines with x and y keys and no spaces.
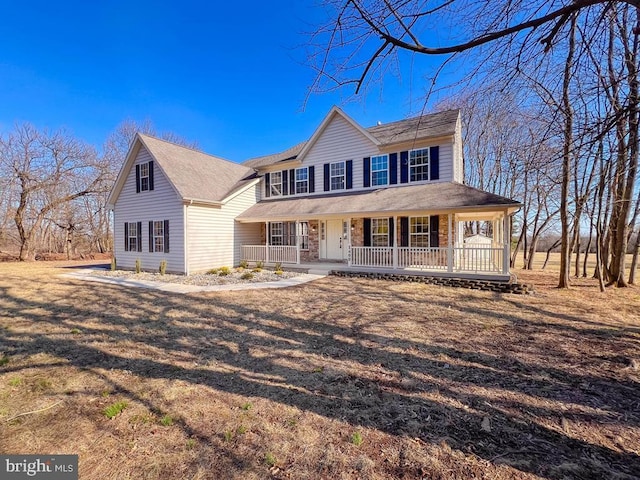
{"x":48,"y":171}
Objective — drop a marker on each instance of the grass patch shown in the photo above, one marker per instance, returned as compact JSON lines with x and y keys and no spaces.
{"x":75,"y":331}
{"x":246,"y":406}
{"x":114,"y":409}
{"x":167,"y":420}
{"x":4,"y":360}
{"x":270,"y":459}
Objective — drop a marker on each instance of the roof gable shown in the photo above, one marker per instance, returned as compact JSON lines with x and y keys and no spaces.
{"x":194,"y":175}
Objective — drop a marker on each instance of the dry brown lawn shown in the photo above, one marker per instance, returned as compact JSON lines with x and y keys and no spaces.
{"x":339,"y":378}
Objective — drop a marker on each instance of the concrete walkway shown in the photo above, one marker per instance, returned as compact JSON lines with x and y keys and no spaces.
{"x":89,"y":275}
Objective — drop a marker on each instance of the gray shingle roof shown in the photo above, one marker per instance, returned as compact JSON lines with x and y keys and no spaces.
{"x":425,"y":126}
{"x":197,"y":175}
{"x":412,"y":198}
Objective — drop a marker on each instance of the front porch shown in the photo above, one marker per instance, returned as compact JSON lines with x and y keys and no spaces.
{"x":423,"y":245}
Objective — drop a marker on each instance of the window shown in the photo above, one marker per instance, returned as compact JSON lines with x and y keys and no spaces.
{"x":419,"y":165}
{"x":303,"y":235}
{"x":379,"y":232}
{"x":337,"y":176}
{"x":302,"y":180}
{"x":284,"y":233}
{"x":132,"y":236}
{"x":419,"y":232}
{"x":276,"y":184}
{"x":276,"y":234}
{"x":158,"y":236}
{"x":144,"y":176}
{"x":379,"y":170}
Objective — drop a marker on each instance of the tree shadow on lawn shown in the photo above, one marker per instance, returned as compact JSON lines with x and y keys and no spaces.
{"x":318,"y":357}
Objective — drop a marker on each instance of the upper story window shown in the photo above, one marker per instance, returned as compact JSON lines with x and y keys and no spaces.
{"x":379,"y":232}
{"x":337,"y":176}
{"x":419,"y":165}
{"x":144,"y":176}
{"x":158,"y":236}
{"x":419,"y":232}
{"x":302,"y":180}
{"x":276,"y":184}
{"x":379,"y":170}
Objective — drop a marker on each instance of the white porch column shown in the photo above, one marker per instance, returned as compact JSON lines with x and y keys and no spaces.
{"x":348,"y":242}
{"x":450,"y":244}
{"x":506,"y":230}
{"x":395,"y":242}
{"x":297,"y":244}
{"x":266,"y":243}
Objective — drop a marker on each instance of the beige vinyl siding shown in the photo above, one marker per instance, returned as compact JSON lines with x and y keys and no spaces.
{"x":213,"y":237}
{"x":340,"y":141}
{"x":458,"y":158}
{"x":161,"y":203}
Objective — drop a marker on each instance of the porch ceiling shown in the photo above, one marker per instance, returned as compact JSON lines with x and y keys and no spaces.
{"x":441,"y":197}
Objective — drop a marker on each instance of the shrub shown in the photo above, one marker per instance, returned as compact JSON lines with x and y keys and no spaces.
{"x":257,"y":270}
{"x":278,"y":267}
{"x":247,"y":276}
{"x":259,"y":264}
{"x":213,"y":271}
{"x":163,"y":267}
{"x":114,"y":264}
{"x":243,"y":264}
{"x":138,"y":265}
{"x":223,"y":271}
{"x":167,"y":420}
{"x":356,"y":439}
{"x":112,"y":410}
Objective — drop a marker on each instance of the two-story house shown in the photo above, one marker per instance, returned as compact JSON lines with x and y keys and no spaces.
{"x":388,"y":197}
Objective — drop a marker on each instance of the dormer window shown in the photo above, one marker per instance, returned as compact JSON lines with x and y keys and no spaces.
{"x":276,"y":184}
{"x":419,"y":165}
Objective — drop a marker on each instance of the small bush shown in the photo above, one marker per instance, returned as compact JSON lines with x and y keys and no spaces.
{"x":15,"y":382}
{"x":224,"y":271}
{"x":278,"y":267}
{"x":213,"y":271}
{"x":113,"y":410}
{"x":270,"y":459}
{"x":167,"y":420}
{"x":259,"y":264}
{"x":257,"y":270}
{"x":243,"y":264}
{"x":138,"y":265}
{"x":163,"y":267}
{"x":356,"y":439}
{"x":114,"y":264}
{"x":247,"y":276}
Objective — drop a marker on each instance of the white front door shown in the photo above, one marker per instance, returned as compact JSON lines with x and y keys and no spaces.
{"x":336,"y":241}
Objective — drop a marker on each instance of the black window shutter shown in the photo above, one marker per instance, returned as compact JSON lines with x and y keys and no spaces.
{"x":151,"y":175}
{"x":139,"y":236}
{"x":367,"y":232}
{"x":434,"y":226}
{"x":312,"y":179}
{"x":285,"y":182}
{"x":137,"y":178}
{"x":392,"y":232}
{"x":150,"y":237}
{"x":393,"y":168}
{"x":404,"y":167}
{"x":366,"y":171}
{"x":404,"y":231}
{"x":166,"y":236}
{"x":349,"y":172}
{"x":292,"y":181}
{"x":327,"y":180}
{"x":285,"y":233}
{"x":126,"y":236}
{"x":434,"y":163}
{"x":267,"y":185}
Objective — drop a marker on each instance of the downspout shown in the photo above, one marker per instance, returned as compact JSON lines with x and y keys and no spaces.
{"x":185,"y":235}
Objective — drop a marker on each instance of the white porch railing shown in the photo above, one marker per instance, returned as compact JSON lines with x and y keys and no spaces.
{"x":371,"y":257}
{"x":270,"y":253}
{"x":478,"y":259}
{"x":422,"y":258}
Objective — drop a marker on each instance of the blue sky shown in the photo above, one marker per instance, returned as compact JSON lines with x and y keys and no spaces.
{"x":231,"y":77}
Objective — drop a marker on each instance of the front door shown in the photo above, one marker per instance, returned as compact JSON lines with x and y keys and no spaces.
{"x":336,"y":241}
